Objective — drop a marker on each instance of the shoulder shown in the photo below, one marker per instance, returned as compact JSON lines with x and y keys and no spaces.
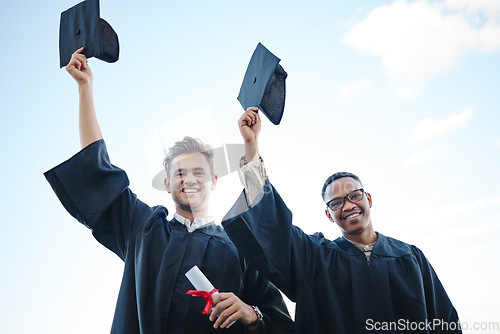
{"x":217,"y":237}
{"x":327,"y":244}
{"x":320,"y":238}
{"x":217,"y":232}
{"x":159,"y":211}
{"x":158,"y":216}
{"x":387,"y":246}
{"x":417,"y":252}
{"x":404,"y":247}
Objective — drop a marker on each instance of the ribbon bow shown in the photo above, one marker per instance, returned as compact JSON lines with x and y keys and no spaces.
{"x":207,"y":296}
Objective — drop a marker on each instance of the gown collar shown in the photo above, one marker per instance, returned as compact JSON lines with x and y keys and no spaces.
{"x":385,"y":246}
{"x":197,"y":223}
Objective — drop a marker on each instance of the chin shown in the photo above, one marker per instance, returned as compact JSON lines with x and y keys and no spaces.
{"x":354,"y":229}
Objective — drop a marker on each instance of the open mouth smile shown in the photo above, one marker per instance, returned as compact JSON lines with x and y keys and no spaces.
{"x":190,"y":190}
{"x":351,"y":215}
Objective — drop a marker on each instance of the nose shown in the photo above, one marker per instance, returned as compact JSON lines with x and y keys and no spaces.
{"x":348,"y":205}
{"x":190,"y":179}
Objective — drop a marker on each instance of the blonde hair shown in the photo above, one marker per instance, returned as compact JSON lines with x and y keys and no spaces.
{"x":189,"y":145}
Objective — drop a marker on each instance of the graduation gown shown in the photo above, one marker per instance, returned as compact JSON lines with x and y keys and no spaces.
{"x":335,"y":288}
{"x":157,"y":253}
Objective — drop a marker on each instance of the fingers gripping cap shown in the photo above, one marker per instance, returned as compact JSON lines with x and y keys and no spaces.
{"x":81,"y":26}
{"x":264,"y":85}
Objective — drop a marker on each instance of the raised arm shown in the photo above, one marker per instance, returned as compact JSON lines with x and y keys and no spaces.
{"x":80,"y":71}
{"x":260,"y":224}
{"x":91,"y":189}
{"x":252,"y":170}
{"x":250,"y":125}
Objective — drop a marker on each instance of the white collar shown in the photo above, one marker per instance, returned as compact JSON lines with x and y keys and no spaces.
{"x":197,"y":223}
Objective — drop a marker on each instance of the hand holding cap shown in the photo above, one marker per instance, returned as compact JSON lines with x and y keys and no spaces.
{"x":81,"y":26}
{"x":264,"y":85}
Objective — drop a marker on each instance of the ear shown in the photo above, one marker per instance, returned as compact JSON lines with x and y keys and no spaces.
{"x":167,"y":186}
{"x":327,"y":212}
{"x":214,"y":182}
{"x":369,"y":198}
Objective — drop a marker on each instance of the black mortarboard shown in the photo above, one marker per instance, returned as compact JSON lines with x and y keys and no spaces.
{"x":82,"y":26}
{"x":264,"y":84}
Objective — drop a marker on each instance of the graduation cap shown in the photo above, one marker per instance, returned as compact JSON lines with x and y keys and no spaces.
{"x":81,"y":26}
{"x":264,"y":84}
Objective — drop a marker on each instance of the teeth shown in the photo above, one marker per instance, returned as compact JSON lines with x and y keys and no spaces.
{"x":190,"y":190}
{"x":352,"y":216}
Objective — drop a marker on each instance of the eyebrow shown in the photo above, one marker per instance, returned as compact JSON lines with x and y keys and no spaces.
{"x":196,"y":169}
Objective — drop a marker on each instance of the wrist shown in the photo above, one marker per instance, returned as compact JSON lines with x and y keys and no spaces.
{"x":257,"y":317}
{"x":85,"y":86}
{"x":253,"y":143}
{"x":251,"y":151}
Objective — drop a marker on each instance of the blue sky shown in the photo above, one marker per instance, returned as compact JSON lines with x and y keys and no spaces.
{"x":402,"y":93}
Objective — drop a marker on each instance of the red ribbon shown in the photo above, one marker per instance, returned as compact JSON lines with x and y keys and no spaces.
{"x":207,"y":296}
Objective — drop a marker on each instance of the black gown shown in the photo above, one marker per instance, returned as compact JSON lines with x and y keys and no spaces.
{"x":335,"y":288}
{"x":157,"y":253}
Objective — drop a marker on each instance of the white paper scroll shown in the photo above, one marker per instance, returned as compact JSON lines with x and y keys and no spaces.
{"x":201,"y":282}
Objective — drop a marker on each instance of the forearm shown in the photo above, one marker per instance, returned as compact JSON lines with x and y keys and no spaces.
{"x":254,"y":177}
{"x":88,"y":125}
{"x":251,"y":150}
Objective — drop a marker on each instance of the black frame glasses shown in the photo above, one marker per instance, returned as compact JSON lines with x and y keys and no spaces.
{"x":351,"y":197}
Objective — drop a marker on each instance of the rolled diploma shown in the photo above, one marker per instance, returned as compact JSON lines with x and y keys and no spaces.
{"x":201,"y":282}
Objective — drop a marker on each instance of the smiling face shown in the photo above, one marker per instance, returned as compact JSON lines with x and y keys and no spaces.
{"x":353,"y":218}
{"x":190,"y":182}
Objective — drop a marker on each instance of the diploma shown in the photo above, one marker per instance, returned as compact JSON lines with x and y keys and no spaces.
{"x":203,"y":288}
{"x":200,"y":281}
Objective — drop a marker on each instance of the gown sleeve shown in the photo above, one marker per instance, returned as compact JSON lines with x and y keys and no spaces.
{"x":264,"y":234}
{"x":96,"y":193}
{"x":438,"y":303}
{"x":263,"y":294}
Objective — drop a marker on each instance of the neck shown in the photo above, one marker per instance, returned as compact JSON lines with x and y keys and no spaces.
{"x":191,"y":215}
{"x":366,"y":237}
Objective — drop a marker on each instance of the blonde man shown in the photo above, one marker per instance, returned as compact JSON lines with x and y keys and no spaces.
{"x":158,"y":252}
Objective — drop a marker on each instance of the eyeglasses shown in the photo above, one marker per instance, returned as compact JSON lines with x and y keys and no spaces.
{"x":353,"y":197}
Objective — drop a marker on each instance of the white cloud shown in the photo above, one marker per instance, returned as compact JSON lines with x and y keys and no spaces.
{"x":415,"y":40}
{"x":422,"y":157}
{"x":459,"y":212}
{"x":497,"y":143}
{"x":406,"y":92}
{"x":496,"y":201}
{"x":347,"y":90}
{"x":429,"y":128}
{"x":488,"y":8}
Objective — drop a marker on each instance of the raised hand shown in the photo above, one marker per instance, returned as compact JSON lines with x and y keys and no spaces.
{"x":79,"y":69}
{"x":250,"y":125}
